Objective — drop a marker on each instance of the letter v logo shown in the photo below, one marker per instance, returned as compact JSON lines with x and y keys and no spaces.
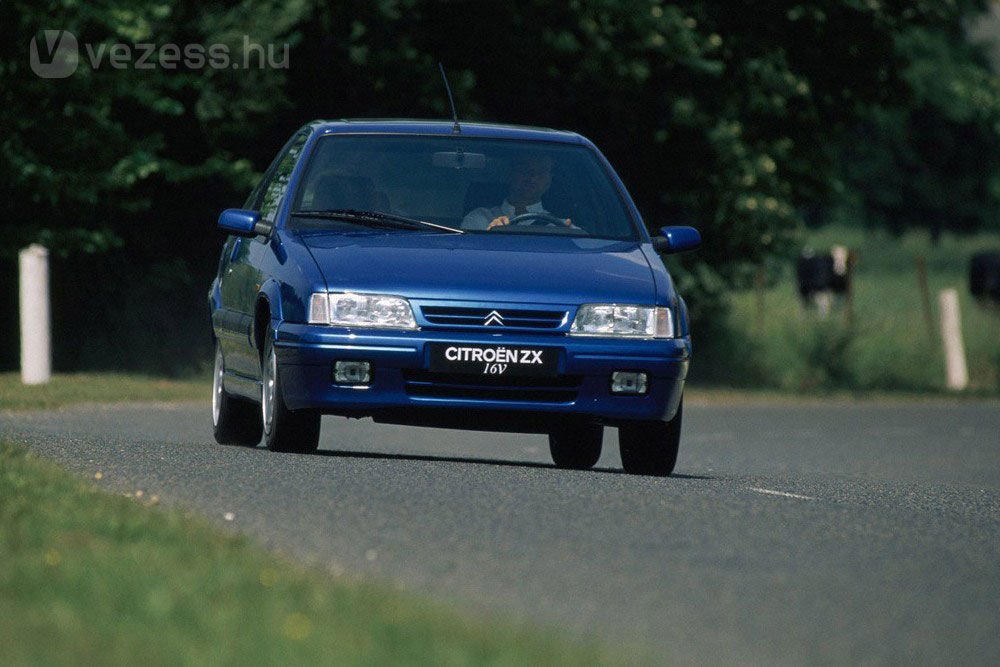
{"x":493,"y":318}
{"x":58,"y":57}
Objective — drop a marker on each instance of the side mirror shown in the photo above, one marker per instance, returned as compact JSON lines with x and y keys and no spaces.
{"x":242,"y":223}
{"x":677,"y":239}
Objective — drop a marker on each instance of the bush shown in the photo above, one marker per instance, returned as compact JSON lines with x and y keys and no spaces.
{"x":824,"y":351}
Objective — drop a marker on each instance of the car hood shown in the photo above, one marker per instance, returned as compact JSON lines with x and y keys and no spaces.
{"x":478,"y":267}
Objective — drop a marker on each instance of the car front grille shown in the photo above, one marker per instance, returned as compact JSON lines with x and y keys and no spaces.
{"x":425,"y":384}
{"x":490,"y":318}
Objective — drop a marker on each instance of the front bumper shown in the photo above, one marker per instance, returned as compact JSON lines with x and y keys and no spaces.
{"x":404,"y":391}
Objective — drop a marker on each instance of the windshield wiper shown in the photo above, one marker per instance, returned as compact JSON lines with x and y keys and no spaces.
{"x":374,"y":218}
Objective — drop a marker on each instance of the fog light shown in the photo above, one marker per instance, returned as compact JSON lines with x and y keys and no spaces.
{"x":628,"y":382}
{"x":352,"y":372}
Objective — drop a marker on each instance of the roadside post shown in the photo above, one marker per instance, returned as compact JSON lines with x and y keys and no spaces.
{"x":956,"y":369}
{"x":844,"y":260}
{"x":36,"y":345}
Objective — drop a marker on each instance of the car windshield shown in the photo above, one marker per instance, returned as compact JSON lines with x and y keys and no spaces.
{"x":480,"y":186}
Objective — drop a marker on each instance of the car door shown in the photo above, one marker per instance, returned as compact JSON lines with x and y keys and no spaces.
{"x":243,"y":274}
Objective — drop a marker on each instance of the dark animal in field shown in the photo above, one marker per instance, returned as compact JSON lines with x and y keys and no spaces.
{"x":822,"y":276}
{"x":984,"y":277}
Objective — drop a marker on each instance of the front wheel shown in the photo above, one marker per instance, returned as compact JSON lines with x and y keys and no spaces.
{"x":577,"y":447}
{"x":235,"y":421}
{"x":650,"y":448}
{"x":284,"y":430}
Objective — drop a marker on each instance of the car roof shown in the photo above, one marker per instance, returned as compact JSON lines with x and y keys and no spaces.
{"x":439,"y":127}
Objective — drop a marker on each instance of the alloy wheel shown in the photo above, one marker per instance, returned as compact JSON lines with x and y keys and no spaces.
{"x":217,"y":386}
{"x":267,"y":398}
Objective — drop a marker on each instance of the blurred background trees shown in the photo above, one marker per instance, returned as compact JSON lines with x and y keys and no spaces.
{"x":750,"y":120}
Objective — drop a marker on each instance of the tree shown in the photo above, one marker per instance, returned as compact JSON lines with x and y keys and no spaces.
{"x":114,"y":168}
{"x":933,"y":162}
{"x":744,"y":118}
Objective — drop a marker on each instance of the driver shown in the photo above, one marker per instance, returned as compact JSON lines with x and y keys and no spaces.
{"x":529,"y":178}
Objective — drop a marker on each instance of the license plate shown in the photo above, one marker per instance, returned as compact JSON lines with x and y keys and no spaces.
{"x":497,"y":360}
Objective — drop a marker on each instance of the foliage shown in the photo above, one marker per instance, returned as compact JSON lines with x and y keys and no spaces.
{"x":744,"y":118}
{"x":87,"y":158}
{"x":935,"y":161}
{"x":826,"y":351}
{"x":115,"y":168}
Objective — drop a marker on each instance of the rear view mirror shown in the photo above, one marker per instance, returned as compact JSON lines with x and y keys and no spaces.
{"x":242,"y":223}
{"x":459,"y":160}
{"x":677,"y":239}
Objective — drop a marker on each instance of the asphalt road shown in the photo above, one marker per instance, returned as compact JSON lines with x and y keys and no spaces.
{"x":818,"y":533}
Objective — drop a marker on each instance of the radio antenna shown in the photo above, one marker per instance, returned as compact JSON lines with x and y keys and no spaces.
{"x":457,"y":129}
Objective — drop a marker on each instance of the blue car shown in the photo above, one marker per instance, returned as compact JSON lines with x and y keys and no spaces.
{"x":481,"y":277}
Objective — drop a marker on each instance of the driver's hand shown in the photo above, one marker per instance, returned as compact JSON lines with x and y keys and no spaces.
{"x":498,"y":222}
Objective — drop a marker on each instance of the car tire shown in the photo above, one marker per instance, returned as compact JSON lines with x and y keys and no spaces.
{"x":650,"y":447}
{"x":284,"y":430}
{"x":235,"y":421}
{"x":576,"y":447}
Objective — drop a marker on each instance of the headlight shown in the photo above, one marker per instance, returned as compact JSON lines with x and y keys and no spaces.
{"x":361,"y":310}
{"x":598,"y":319}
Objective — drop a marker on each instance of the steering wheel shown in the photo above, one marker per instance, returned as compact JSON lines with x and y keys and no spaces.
{"x":537,"y":220}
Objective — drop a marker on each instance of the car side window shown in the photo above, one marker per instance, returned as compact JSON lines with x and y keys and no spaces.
{"x":276,"y":183}
{"x":256,"y":195}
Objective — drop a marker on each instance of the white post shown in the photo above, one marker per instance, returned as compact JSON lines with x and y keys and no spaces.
{"x":36,"y":347}
{"x":956,"y":370}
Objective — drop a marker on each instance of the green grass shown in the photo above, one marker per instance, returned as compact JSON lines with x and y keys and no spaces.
{"x":97,"y":388}
{"x":91,"y":578}
{"x":889,"y":347}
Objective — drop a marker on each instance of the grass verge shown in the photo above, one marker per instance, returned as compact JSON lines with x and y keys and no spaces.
{"x":90,"y":578}
{"x":887,"y":349}
{"x":65,"y":389}
{"x":716,"y":396}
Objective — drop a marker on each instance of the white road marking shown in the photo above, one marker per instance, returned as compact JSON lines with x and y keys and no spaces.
{"x":783,"y":494}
